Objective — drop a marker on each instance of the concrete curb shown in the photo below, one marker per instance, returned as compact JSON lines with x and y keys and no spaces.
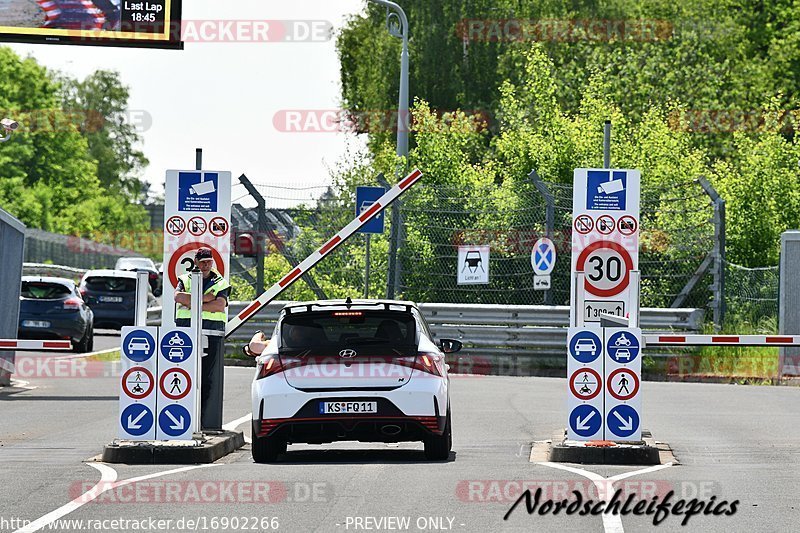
{"x":176,"y":453}
{"x":645,"y":452}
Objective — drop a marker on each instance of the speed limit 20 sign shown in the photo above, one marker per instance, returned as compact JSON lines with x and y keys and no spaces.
{"x":605,"y":239}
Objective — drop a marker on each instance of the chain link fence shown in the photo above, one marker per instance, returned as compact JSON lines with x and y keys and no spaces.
{"x":677,"y":240}
{"x":751,"y":296}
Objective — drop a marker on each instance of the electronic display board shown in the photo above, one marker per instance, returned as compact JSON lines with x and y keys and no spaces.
{"x":135,"y":23}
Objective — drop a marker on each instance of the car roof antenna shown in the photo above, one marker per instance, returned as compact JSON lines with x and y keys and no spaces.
{"x":348,"y":302}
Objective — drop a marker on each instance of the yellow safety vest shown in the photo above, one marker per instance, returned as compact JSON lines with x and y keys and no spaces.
{"x":220,"y":285}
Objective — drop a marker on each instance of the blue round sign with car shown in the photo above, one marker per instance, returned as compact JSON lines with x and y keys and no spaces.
{"x":176,"y":346}
{"x":585,"y":346}
{"x":138,"y":346}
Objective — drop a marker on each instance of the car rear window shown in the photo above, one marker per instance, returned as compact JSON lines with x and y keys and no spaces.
{"x":335,"y":328}
{"x":125,"y":264}
{"x":39,"y":290}
{"x":101,"y":283}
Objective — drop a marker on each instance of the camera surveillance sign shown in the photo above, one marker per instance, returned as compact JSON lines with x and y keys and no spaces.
{"x":606,"y":190}
{"x":197,"y":191}
{"x":473,"y":265}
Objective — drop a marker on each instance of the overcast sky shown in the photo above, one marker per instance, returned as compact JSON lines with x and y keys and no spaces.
{"x":223,"y":96}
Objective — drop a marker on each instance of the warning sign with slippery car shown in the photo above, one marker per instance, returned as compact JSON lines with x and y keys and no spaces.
{"x":197,"y":211}
{"x":605,"y":240}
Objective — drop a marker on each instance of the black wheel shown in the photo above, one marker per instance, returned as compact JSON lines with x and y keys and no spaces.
{"x":266,"y":449}
{"x":85,"y":344}
{"x":91,"y":339}
{"x":437,"y":447}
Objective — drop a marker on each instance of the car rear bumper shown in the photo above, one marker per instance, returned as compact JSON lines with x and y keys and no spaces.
{"x":112,"y":318}
{"x":416,"y":410}
{"x":60,"y":328}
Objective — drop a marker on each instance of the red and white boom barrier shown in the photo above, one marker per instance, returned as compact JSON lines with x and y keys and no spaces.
{"x":33,"y":346}
{"x":722,"y":340}
{"x":317,"y":256}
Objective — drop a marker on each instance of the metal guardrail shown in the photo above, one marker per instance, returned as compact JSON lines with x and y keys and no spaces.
{"x":527,"y":334}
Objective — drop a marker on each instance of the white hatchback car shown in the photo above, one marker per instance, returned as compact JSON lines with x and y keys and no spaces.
{"x":343,"y":370}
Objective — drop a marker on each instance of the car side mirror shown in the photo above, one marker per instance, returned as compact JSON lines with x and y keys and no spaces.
{"x":450,"y":345}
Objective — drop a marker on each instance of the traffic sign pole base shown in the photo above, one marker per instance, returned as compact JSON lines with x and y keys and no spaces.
{"x":206,"y":448}
{"x":645,"y":452}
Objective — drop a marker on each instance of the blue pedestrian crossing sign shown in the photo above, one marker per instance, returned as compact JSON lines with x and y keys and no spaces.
{"x":137,"y":419}
{"x":174,"y":420}
{"x":585,"y":346}
{"x":585,"y":420}
{"x":365,"y":197}
{"x":623,"y":347}
{"x":543,"y":257}
{"x":622,"y":421}
{"x":176,"y":346}
{"x":138,"y":345}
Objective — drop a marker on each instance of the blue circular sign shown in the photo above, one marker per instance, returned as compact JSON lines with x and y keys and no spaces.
{"x":623,"y":346}
{"x":585,"y":420}
{"x":623,"y":420}
{"x":585,"y":346}
{"x":137,"y":419}
{"x":176,"y":346}
{"x":138,"y":345}
{"x":174,"y":420}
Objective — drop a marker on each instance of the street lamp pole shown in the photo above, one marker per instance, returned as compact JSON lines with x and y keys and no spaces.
{"x":397,"y":24}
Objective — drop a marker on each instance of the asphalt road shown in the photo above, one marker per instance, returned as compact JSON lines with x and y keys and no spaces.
{"x":733,"y":442}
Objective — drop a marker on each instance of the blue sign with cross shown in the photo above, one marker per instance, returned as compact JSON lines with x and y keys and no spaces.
{"x":585,"y":420}
{"x":543,"y":258}
{"x":622,"y":421}
{"x":365,"y":197}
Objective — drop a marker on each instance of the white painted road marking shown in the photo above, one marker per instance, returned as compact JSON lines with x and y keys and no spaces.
{"x":612,"y":523}
{"x":230,"y":426}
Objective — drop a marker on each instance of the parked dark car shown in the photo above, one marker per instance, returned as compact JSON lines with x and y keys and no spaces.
{"x":52,"y":308}
{"x":143,"y":263}
{"x":112,"y":296}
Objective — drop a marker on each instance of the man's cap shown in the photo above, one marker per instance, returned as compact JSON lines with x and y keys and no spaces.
{"x":203,"y":253}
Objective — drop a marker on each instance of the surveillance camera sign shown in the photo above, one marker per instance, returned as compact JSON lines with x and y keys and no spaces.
{"x":605,"y":240}
{"x":197,"y":191}
{"x":473,"y":265}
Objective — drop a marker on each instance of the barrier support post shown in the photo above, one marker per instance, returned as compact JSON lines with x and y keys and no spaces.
{"x":142,"y":285}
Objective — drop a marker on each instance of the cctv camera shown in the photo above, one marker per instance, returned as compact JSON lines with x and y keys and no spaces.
{"x":8,"y":124}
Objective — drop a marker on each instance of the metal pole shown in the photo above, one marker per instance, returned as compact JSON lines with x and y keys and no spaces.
{"x":549,"y":218}
{"x":196,"y":323}
{"x":607,"y":144}
{"x":198,"y":158}
{"x":260,"y":243}
{"x":394,"y":234}
{"x":633,"y":305}
{"x":718,"y":286}
{"x":366,"y":267}
{"x":142,"y":284}
{"x":578,"y":299}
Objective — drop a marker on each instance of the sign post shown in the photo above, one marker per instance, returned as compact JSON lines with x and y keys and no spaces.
{"x":365,"y":197}
{"x":604,"y":363}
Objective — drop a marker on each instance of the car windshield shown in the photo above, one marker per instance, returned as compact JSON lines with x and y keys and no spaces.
{"x":102,"y":283}
{"x":302,"y":331}
{"x":40,"y":290}
{"x":132,"y":263}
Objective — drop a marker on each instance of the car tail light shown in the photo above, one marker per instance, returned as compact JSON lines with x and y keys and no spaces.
{"x":424,"y":362}
{"x":72,"y":304}
{"x":275,"y":365}
{"x":153,"y":275}
{"x":84,"y":292}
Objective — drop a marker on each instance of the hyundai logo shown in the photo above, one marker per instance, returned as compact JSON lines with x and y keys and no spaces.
{"x":347,"y":354}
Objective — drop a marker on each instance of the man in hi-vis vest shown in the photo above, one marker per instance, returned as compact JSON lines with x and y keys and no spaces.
{"x":216,"y":291}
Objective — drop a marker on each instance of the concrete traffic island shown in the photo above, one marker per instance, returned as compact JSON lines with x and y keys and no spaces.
{"x":559,"y":449}
{"x":204,"y":448}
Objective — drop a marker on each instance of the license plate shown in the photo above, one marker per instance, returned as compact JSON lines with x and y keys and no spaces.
{"x":35,"y":324}
{"x":110,"y":299}
{"x":349,"y":408}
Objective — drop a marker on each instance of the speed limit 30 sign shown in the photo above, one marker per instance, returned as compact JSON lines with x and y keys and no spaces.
{"x":605,"y":205}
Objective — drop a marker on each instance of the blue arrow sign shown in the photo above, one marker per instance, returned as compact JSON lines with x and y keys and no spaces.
{"x":623,"y":420}
{"x":137,"y":419}
{"x":176,"y":346}
{"x":544,"y":257}
{"x":174,"y":420}
{"x":623,"y":346}
{"x":585,"y":346}
{"x":138,"y":345}
{"x":585,"y":420}
{"x":365,"y":197}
